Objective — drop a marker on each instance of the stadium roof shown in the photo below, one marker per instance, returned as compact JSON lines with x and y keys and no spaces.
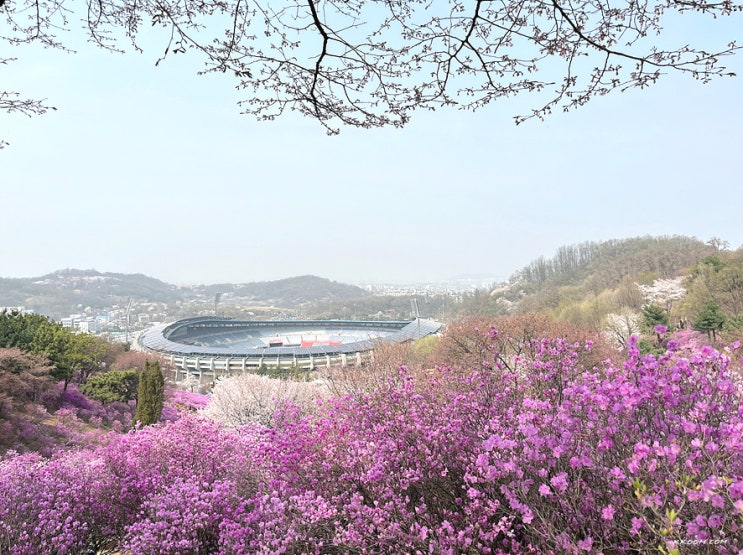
{"x":222,"y":337}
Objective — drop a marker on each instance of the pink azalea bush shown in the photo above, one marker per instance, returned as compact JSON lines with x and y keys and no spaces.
{"x":521,"y":455}
{"x":183,"y":400}
{"x":179,"y":400}
{"x":61,"y":419}
{"x":129,"y":493}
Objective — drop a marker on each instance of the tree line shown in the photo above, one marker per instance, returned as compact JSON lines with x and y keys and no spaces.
{"x":608,"y":262}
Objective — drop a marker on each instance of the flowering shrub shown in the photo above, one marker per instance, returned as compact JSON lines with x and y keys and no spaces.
{"x":62,"y":419}
{"x":116,"y":414}
{"x":528,"y":453}
{"x":138,"y":491}
{"x":182,"y":400}
{"x":246,"y":398}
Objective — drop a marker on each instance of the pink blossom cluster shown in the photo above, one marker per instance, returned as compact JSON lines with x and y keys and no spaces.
{"x":62,"y":418}
{"x":536,"y":455}
{"x":179,"y":400}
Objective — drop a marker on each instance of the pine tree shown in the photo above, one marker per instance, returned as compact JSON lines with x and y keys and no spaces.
{"x":150,"y":394}
{"x":710,"y":319}
{"x":653,"y":315}
{"x":112,"y":386}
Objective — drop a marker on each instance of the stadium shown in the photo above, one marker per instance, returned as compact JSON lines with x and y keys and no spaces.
{"x":208,"y":347}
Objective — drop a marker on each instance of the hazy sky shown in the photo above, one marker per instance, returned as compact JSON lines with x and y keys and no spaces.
{"x":153,"y":170}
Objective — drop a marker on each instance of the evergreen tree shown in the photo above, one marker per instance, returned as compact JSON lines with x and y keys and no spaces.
{"x":112,"y":386}
{"x":150,"y":394}
{"x":710,"y":319}
{"x":653,"y":315}
{"x":19,"y":330}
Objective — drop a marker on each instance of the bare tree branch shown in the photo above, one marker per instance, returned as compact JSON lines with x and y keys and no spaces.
{"x":372,"y":63}
{"x":13,"y":102}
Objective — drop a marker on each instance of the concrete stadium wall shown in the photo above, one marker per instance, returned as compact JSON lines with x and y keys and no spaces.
{"x":208,"y":368}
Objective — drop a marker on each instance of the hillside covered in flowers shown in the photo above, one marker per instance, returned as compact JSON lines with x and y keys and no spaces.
{"x":528,"y":445}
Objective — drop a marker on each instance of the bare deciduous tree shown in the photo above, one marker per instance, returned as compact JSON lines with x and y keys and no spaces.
{"x":370,"y":63}
{"x":388,"y":364}
{"x":620,"y":326}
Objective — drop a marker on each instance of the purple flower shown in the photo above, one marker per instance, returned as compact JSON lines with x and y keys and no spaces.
{"x":560,"y":482}
{"x":488,"y":461}
{"x":608,"y":513}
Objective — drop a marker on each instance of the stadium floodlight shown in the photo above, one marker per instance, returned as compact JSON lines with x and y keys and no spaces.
{"x":128,"y":310}
{"x":414,"y":306}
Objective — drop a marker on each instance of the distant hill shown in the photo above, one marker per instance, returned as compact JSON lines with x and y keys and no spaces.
{"x":585,"y":282}
{"x":598,"y":265}
{"x":300,"y":290}
{"x":68,"y":291}
{"x":580,"y":283}
{"x":287,"y":292}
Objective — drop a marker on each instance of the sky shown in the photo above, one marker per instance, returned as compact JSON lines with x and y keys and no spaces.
{"x":153,"y":170}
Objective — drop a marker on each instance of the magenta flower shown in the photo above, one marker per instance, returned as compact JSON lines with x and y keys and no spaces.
{"x":560,"y":482}
{"x":554,"y":457}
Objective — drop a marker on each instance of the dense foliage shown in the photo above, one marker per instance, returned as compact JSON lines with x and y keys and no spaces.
{"x":716,"y":279}
{"x":25,"y":381}
{"x":37,"y":413}
{"x":525,"y":453}
{"x":73,"y":356}
{"x":53,"y":392}
{"x":112,"y":386}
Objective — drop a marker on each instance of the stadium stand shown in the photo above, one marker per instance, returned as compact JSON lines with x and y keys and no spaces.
{"x":209,"y":347}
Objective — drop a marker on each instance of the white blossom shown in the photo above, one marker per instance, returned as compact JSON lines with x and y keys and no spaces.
{"x":619,"y":327}
{"x":239,"y":400}
{"x":663,"y":292}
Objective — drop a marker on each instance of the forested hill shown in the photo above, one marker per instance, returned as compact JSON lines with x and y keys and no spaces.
{"x":580,"y":283}
{"x":62,"y":292}
{"x":605,"y":264}
{"x":585,"y":283}
{"x":293,"y":290}
{"x":67,"y":291}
